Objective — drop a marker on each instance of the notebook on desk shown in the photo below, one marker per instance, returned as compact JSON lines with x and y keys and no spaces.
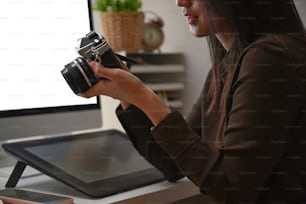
{"x":97,"y":164}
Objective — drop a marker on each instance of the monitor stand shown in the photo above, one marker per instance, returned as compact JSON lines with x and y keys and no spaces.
{"x":16,"y":174}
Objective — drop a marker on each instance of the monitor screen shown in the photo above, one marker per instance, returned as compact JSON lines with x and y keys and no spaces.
{"x":37,"y":39}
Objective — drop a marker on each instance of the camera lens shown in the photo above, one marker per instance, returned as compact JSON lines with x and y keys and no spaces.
{"x":79,"y":76}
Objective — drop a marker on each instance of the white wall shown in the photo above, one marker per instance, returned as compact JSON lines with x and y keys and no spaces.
{"x":301,"y":7}
{"x":177,"y":39}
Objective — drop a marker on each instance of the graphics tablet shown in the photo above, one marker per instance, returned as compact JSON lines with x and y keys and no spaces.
{"x":97,"y":164}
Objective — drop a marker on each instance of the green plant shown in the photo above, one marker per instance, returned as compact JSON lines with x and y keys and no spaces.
{"x":117,"y":5}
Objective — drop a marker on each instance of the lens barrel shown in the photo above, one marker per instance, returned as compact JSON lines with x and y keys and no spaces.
{"x":79,"y":76}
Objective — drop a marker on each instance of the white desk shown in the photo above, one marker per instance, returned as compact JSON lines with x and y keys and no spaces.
{"x":47,"y":184}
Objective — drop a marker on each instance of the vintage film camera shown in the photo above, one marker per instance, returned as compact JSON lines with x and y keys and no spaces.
{"x":92,"y":47}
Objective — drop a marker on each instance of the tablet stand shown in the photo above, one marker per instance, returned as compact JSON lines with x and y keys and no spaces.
{"x":16,"y":174}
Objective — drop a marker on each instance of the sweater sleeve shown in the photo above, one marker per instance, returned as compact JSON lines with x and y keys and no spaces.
{"x":265,"y":102}
{"x":138,"y":127}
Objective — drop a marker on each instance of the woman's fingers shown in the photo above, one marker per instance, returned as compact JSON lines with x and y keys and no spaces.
{"x":101,"y":71}
{"x":94,"y":90}
{"x":116,"y":83}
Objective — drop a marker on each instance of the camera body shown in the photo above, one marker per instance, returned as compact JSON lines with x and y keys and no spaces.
{"x":92,"y":47}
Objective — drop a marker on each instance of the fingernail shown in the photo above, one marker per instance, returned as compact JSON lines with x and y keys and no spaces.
{"x":93,"y":63}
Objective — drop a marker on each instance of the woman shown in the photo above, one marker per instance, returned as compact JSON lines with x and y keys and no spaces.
{"x":245,"y":138}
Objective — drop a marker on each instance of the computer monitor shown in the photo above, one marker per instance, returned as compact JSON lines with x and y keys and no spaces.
{"x":37,"y":40}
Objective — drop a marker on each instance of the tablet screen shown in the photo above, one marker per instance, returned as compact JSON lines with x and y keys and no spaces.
{"x":97,"y":163}
{"x":92,"y":159}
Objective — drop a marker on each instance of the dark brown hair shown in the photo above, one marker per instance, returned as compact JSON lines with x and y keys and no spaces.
{"x":252,"y":19}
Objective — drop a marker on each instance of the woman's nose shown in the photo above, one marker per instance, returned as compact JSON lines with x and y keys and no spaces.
{"x":183,"y":3}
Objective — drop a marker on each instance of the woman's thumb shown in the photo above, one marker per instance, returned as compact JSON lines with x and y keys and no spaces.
{"x":100,"y":70}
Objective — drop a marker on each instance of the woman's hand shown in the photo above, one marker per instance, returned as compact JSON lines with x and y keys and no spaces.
{"x":117,"y":83}
{"x":123,"y":85}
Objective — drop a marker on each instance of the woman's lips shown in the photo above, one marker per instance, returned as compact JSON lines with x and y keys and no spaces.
{"x":192,"y":20}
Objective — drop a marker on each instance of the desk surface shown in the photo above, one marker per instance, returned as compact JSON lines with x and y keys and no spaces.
{"x":162,"y":192}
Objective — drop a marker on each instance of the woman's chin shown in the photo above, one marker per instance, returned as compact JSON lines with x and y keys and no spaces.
{"x":197,"y":33}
